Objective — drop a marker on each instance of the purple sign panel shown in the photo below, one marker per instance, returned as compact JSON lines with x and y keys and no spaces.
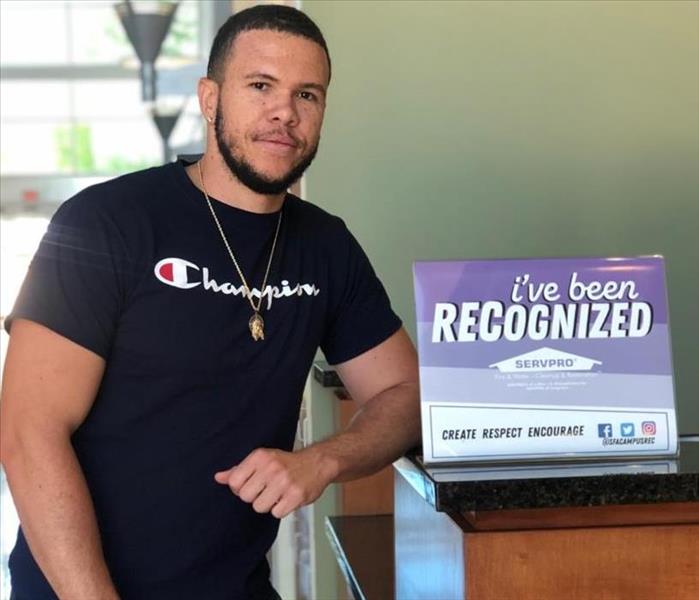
{"x":538,"y":358}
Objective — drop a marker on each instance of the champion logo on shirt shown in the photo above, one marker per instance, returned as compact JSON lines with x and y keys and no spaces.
{"x":185,"y":275}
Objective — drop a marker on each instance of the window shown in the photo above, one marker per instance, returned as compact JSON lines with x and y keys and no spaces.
{"x":70,"y":94}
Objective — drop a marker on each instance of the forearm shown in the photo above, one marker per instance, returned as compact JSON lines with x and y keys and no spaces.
{"x":57,"y":515}
{"x":383,"y":381}
{"x":382,"y":430}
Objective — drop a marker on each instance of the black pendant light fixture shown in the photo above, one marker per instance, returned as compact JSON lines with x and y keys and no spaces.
{"x":147,"y":23}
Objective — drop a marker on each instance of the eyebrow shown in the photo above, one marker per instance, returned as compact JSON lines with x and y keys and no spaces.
{"x":260,"y":75}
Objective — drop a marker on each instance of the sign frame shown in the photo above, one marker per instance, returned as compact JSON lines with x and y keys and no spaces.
{"x":602,"y":399}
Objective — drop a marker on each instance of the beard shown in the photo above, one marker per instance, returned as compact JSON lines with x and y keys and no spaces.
{"x":244,"y":172}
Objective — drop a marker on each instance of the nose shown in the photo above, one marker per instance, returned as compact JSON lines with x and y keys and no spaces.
{"x":284,"y":110}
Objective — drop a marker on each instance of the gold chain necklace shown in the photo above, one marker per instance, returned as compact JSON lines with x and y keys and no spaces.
{"x":256,"y":323}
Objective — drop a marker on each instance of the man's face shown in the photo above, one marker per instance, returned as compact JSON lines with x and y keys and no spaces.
{"x":270,"y":108}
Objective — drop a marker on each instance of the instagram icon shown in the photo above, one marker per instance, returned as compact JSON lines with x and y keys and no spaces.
{"x":648,"y":427}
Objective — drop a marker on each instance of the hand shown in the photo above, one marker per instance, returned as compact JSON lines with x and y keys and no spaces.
{"x":278,"y":482}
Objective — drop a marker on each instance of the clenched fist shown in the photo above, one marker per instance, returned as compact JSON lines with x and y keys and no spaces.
{"x":279,"y":482}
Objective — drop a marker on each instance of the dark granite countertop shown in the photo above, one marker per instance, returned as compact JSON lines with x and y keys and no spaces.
{"x":326,"y":375}
{"x":528,"y":486}
{"x":547,"y":485}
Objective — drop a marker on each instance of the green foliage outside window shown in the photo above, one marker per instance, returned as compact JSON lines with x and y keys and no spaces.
{"x":75,"y":153}
{"x":74,"y":148}
{"x":119,"y":164}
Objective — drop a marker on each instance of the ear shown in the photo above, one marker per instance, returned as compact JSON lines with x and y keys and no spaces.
{"x":208,"y":90}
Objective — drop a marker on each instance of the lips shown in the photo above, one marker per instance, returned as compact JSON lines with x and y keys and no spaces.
{"x":278,"y":139}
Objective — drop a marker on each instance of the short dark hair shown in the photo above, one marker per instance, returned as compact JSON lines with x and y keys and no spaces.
{"x":272,"y":17}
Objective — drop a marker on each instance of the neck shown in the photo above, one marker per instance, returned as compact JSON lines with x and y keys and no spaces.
{"x":221,"y":184}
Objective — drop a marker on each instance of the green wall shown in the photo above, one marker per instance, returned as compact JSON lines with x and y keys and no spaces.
{"x":518,"y":129}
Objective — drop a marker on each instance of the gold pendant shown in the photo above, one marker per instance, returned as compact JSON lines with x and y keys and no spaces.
{"x":257,"y":327}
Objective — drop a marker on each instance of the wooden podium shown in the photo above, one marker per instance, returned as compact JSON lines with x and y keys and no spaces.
{"x":560,"y":535}
{"x":574,"y":538}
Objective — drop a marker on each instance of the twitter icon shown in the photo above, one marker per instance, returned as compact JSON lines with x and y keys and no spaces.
{"x":627,"y":430}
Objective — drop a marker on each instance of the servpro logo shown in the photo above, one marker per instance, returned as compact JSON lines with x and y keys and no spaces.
{"x":185,"y":275}
{"x":545,"y":359}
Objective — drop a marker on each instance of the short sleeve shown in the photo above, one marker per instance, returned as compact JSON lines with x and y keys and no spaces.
{"x":360,"y":316}
{"x":76,"y":281}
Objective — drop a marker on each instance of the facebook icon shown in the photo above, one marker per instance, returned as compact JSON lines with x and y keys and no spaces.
{"x":604,"y":430}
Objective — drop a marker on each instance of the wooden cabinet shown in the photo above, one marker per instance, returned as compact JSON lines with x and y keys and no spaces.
{"x":646,"y":552}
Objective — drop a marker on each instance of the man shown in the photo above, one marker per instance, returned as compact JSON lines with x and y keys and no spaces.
{"x":162,"y":338}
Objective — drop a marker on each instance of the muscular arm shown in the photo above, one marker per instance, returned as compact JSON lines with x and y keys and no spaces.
{"x":384,"y":382}
{"x":49,"y":385}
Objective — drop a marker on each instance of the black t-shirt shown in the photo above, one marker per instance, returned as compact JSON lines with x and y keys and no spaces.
{"x":135,"y":270}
